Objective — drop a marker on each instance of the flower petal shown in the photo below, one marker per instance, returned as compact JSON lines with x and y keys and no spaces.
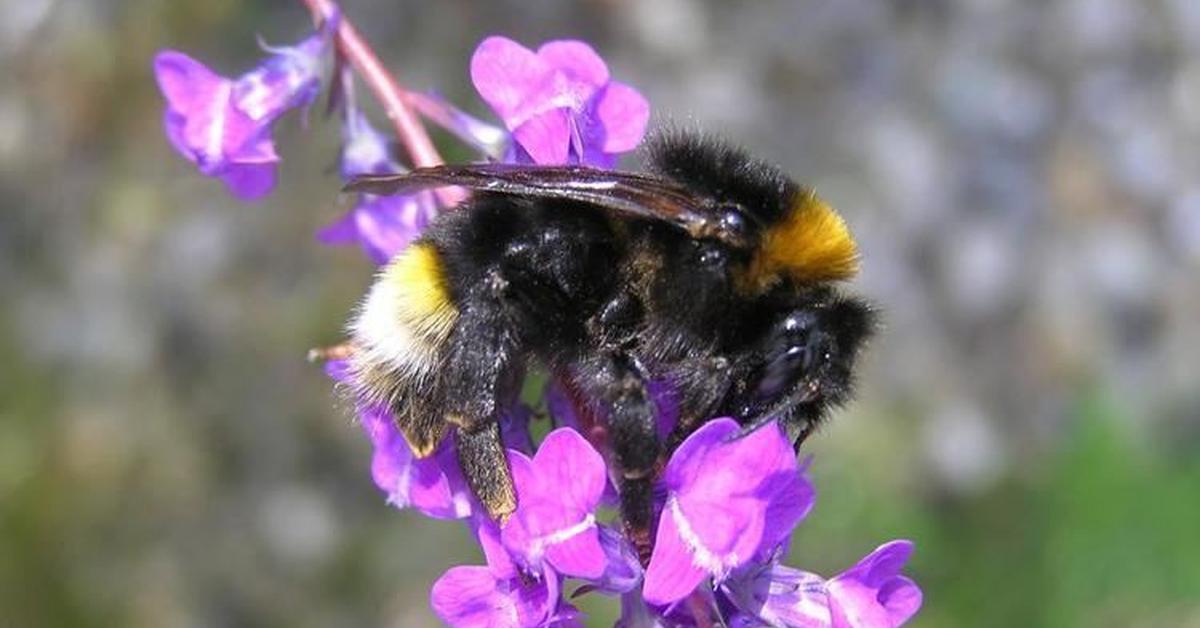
{"x":488,"y":535}
{"x":250,"y":181}
{"x":433,"y":485}
{"x":793,"y":496}
{"x":557,"y":491}
{"x":391,"y":459}
{"x":623,"y":113}
{"x":902,"y":598}
{"x":779,"y":596}
{"x":622,"y":569}
{"x":672,"y":573}
{"x":438,"y":488}
{"x":546,"y":136}
{"x":575,"y":58}
{"x":185,"y":82}
{"x":579,"y":555}
{"x":687,"y":463}
{"x":570,"y":463}
{"x":872,"y":592}
{"x":469,"y":596}
{"x":503,"y":72}
{"x":386,"y":224}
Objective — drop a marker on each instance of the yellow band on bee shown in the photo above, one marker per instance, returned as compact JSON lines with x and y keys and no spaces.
{"x":405,"y":320}
{"x":422,"y":297}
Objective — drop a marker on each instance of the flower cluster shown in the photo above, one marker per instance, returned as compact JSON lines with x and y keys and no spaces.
{"x":724,"y":506}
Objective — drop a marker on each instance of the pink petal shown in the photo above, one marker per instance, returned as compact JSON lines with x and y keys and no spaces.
{"x":567,"y":461}
{"x":575,"y":58}
{"x":794,"y":497}
{"x":862,"y":596}
{"x":546,"y":137}
{"x":624,"y":114}
{"x":580,"y":555}
{"x":504,"y":72}
{"x":439,"y":488}
{"x":391,"y":459}
{"x":383,"y":226}
{"x":728,"y":530}
{"x":497,"y":557}
{"x":902,"y":598}
{"x":472,"y":596}
{"x":250,"y":181}
{"x":338,"y":371}
{"x":467,"y":596}
{"x":672,"y":574}
{"x":852,"y":605}
{"x":688,"y":461}
{"x":185,"y":82}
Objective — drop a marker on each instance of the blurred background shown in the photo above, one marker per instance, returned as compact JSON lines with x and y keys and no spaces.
{"x":1022,"y":177}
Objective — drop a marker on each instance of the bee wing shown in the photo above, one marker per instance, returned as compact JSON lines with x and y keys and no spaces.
{"x":633,"y":194}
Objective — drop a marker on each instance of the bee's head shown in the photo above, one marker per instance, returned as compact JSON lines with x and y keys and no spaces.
{"x":795,"y":236}
{"x":805,"y":356}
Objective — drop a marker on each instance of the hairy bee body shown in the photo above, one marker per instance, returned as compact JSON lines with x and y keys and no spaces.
{"x":741,"y":323}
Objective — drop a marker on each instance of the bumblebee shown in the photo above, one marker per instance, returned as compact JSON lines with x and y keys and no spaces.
{"x":713,"y":273}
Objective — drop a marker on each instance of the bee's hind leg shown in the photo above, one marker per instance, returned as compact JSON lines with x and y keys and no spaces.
{"x":480,"y":378}
{"x":485,"y":467}
{"x":616,"y":381}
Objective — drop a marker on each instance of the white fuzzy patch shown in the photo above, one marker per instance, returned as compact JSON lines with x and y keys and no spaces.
{"x":388,"y":340}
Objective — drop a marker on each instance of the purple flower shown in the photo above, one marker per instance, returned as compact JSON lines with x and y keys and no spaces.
{"x":381,"y":225}
{"x":499,"y":595}
{"x":224,"y":125}
{"x":557,"y":493}
{"x":622,"y":570}
{"x":871,"y":594}
{"x":729,"y":500}
{"x":559,"y":102}
{"x":434,"y":485}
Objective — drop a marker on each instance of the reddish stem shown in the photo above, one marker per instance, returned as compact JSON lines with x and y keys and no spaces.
{"x":385,"y":87}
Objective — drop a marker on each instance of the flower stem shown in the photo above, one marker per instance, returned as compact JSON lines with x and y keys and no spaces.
{"x":385,"y":87}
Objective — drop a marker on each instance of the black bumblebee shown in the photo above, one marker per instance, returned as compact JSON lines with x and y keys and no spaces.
{"x":713,"y":273}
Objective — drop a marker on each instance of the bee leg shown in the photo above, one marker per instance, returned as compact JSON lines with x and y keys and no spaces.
{"x":616,"y":381}
{"x":480,"y":377}
{"x":485,"y":467}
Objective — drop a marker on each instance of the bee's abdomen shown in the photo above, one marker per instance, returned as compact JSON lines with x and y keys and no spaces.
{"x":401,"y":330}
